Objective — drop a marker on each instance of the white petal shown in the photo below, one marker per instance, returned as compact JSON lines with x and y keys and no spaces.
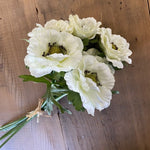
{"x":112,"y":55}
{"x":84,"y":28}
{"x":38,"y":66}
{"x":103,"y":71}
{"x":92,"y":96}
{"x":38,"y":43}
{"x":59,"y":25}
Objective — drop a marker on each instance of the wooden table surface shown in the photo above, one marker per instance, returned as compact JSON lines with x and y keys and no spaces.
{"x":125,"y":125}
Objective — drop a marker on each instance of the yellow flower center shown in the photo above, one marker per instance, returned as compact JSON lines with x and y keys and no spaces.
{"x":54,"y":48}
{"x":114,"y":46}
{"x":93,"y":76}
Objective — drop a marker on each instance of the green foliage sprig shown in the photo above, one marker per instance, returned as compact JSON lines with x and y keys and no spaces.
{"x":56,"y":90}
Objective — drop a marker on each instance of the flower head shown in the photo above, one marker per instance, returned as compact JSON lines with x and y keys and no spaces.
{"x":84,"y":28}
{"x":115,"y":47}
{"x":59,"y":25}
{"x":94,"y":52}
{"x":93,"y":80}
{"x":50,"y":50}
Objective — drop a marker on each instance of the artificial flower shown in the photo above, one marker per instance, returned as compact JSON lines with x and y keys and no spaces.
{"x":84,"y":28}
{"x":115,"y":47}
{"x":59,"y":25}
{"x":50,"y":50}
{"x":93,"y":80}
{"x":96,"y":53}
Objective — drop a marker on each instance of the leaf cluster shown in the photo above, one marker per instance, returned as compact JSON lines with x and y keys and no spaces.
{"x":56,"y":87}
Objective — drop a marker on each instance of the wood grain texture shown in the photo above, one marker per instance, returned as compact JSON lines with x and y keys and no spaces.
{"x":124,"y":125}
{"x":18,"y":98}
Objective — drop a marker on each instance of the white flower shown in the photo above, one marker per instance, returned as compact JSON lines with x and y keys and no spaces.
{"x":84,"y":28}
{"x":50,"y":50}
{"x":59,"y":25}
{"x":115,"y":47}
{"x":93,"y":80}
{"x":96,"y":53}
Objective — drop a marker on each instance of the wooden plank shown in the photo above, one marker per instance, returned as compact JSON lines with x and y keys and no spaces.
{"x":148,"y":6}
{"x":125,"y":124}
{"x":17,"y":18}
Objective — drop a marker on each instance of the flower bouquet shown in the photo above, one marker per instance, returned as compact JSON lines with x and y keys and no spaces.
{"x":75,"y":58}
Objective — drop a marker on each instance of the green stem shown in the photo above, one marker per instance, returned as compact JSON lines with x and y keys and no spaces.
{"x":12,"y":124}
{"x":15,"y":126}
{"x":14,"y":130}
{"x":50,"y":99}
{"x":11,"y":130}
{"x":13,"y":133}
{"x":53,"y":90}
{"x":60,"y":97}
{"x":62,"y":109}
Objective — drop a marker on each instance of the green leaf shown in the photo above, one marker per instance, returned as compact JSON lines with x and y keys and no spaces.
{"x":95,"y":40}
{"x":85,"y":42}
{"x":59,"y":75}
{"x":49,"y":107}
{"x":75,"y":99}
{"x":55,"y":75}
{"x":34,"y":79}
{"x":57,"y":78}
{"x":115,"y":92}
{"x":61,"y":108}
{"x":101,"y":54}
